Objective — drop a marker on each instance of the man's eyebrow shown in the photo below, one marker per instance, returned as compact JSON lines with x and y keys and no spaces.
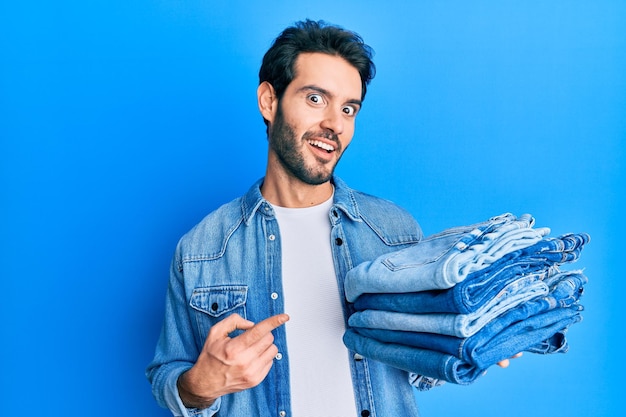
{"x":312,"y":87}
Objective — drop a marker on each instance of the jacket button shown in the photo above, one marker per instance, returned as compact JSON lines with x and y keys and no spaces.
{"x":214,"y":306}
{"x":365,"y":413}
{"x":338,"y":241}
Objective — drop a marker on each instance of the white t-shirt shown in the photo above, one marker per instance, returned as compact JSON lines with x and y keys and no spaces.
{"x":321,"y":383}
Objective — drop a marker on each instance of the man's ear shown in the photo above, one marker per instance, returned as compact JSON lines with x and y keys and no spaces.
{"x":267,"y":100}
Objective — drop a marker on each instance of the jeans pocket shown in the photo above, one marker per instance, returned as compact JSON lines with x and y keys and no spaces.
{"x":212,"y":304}
{"x":426,"y":252}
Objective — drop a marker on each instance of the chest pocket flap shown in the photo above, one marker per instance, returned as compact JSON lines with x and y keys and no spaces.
{"x":218,"y":300}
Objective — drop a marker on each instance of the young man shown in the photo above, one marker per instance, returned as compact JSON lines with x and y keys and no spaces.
{"x":227,"y":347}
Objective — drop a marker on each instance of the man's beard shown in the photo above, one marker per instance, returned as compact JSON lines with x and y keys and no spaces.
{"x":288,"y":149}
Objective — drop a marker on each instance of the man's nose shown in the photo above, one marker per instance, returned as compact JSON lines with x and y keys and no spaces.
{"x":333,"y":121}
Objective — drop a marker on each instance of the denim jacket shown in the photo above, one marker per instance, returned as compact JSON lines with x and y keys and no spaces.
{"x":230,"y":263}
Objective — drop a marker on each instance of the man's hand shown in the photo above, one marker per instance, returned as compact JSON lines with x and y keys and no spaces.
{"x":505,"y":363}
{"x":228,"y":365}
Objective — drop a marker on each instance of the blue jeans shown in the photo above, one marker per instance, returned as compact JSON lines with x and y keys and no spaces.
{"x":535,"y":326}
{"x":449,"y":367}
{"x":480,"y":286}
{"x":459,"y":325}
{"x":507,"y":283}
{"x":444,"y":259}
{"x":415,"y":360}
{"x":473,"y":294}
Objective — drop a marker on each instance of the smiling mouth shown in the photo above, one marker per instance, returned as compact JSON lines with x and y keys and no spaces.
{"x":322,"y":145}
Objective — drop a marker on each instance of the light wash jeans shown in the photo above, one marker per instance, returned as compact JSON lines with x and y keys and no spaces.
{"x":480,"y":288}
{"x":536,"y":326}
{"x":507,"y":283}
{"x":444,"y":259}
{"x":459,"y":325}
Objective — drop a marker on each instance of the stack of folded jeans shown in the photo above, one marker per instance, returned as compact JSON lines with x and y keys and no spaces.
{"x":466,"y":298}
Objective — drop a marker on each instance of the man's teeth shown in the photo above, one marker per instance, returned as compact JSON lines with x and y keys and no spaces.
{"x":320,"y":144}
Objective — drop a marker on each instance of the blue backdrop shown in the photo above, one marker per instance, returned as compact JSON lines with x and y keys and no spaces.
{"x":122,"y":123}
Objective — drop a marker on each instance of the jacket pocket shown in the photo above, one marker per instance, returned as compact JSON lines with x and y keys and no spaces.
{"x":213,"y":304}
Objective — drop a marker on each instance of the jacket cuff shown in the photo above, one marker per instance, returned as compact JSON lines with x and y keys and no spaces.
{"x":175,"y":403}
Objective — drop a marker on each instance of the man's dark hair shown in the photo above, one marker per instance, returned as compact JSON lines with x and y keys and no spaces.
{"x":278,"y":67}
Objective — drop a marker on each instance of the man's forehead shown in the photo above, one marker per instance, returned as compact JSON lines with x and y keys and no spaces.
{"x":329,"y":72}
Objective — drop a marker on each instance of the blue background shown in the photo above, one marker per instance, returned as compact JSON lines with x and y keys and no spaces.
{"x":122,"y":123}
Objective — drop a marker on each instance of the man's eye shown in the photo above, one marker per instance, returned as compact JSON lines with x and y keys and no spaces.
{"x":315,"y":98}
{"x":349,"y":110}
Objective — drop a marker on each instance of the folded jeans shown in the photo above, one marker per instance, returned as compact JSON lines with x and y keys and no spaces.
{"x":443,"y":260}
{"x":448,"y":367}
{"x":459,"y":325}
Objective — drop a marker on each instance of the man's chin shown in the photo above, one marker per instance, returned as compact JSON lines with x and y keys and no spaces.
{"x":319,"y":179}
{"x":316,"y":181}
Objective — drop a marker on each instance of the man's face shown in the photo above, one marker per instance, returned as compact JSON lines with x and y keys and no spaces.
{"x":314,"y":122}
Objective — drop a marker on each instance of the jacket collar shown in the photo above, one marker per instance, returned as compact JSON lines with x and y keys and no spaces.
{"x":344,"y":200}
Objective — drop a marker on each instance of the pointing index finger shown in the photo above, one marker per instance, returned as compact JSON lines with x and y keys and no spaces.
{"x":264,"y":327}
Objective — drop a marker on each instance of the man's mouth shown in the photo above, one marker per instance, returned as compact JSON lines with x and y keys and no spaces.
{"x":322,"y":145}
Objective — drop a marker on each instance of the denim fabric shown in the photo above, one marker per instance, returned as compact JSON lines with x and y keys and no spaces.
{"x":480,"y":287}
{"x":514,"y":326}
{"x":445,"y":259}
{"x":459,"y":325}
{"x":231,"y":263}
{"x":538,"y":329}
{"x":477,"y":292}
{"x":567,"y":287}
{"x":505,"y":336}
{"x":420,"y":361}
{"x":450,"y":368}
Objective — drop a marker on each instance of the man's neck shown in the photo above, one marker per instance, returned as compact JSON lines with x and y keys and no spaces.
{"x":292,"y":193}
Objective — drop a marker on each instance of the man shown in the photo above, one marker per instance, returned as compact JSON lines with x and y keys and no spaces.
{"x":227,"y":347}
